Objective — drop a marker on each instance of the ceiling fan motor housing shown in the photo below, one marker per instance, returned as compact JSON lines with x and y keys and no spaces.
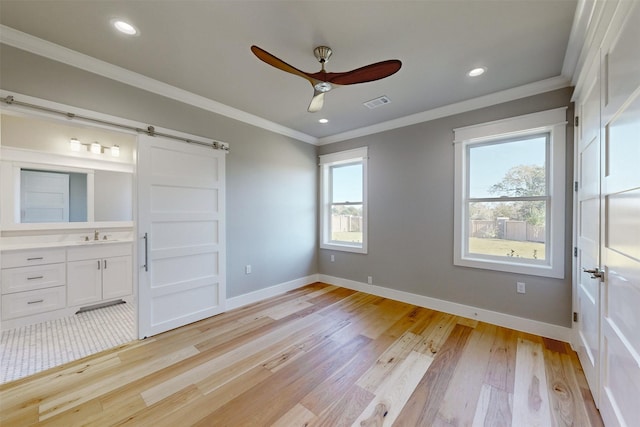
{"x":322,"y":53}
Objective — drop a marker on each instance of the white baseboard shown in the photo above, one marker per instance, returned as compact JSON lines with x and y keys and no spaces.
{"x":272,"y":291}
{"x":501,"y":319}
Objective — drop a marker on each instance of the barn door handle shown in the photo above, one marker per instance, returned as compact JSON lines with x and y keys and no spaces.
{"x":596,"y":273}
{"x":146,"y":252}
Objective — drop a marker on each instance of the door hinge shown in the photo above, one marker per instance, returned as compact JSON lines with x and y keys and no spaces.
{"x":576,"y":121}
{"x":575,"y":186}
{"x":575,"y":316}
{"x":575,"y":251}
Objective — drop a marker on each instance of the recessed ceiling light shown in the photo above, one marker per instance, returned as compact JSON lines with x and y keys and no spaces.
{"x":323,"y":121}
{"x":124,"y":27}
{"x":476,"y":72}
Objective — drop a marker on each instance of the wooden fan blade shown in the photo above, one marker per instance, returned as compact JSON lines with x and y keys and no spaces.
{"x":278,"y":63}
{"x":316,"y":102}
{"x":368,"y":73}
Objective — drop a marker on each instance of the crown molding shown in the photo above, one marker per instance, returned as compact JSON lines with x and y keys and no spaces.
{"x":606,"y":18}
{"x":579,"y":27}
{"x":524,"y":91}
{"x":38,"y":46}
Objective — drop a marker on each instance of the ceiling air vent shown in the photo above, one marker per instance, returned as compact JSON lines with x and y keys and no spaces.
{"x":375,"y":103}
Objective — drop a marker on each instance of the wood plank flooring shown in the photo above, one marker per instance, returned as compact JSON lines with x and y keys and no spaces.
{"x":317,"y":356}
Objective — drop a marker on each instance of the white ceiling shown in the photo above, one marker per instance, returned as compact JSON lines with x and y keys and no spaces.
{"x":202,"y":47}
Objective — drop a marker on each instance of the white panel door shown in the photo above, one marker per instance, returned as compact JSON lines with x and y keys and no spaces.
{"x":588,"y":229}
{"x":44,"y":196}
{"x":620,"y":341}
{"x":181,"y":196}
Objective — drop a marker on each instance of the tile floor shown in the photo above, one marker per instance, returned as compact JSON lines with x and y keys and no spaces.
{"x":30,"y":349}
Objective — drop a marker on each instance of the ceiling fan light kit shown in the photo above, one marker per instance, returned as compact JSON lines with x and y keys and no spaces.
{"x":322,"y":81}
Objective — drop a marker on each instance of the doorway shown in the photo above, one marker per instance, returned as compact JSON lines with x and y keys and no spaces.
{"x":56,"y":202}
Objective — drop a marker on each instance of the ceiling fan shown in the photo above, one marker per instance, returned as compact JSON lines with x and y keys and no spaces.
{"x":322,"y":81}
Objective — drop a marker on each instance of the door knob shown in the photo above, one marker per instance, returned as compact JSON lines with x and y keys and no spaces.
{"x":596,"y":273}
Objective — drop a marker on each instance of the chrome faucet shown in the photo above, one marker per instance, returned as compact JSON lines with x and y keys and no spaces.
{"x":96,"y":235}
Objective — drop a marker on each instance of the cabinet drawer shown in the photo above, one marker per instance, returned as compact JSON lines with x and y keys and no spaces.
{"x":33,"y":302}
{"x":31,"y":278}
{"x":25,"y":258}
{"x":99,"y":250}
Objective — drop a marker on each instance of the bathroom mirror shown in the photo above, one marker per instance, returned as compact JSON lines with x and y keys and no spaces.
{"x":62,"y":195}
{"x":113,"y":196}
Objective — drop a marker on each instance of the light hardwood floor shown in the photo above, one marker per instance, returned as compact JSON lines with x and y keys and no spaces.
{"x":319,"y":355}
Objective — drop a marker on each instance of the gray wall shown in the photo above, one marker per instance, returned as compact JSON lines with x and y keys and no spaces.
{"x":271,"y":179}
{"x":411,"y":220}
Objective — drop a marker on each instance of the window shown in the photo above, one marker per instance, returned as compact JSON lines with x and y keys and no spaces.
{"x":343,"y":216}
{"x":509,"y":194}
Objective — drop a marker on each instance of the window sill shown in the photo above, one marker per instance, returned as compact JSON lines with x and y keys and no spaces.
{"x":510,"y":267}
{"x":344,"y":248}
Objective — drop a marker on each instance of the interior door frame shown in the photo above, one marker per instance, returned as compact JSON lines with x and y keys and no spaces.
{"x":592,"y":79}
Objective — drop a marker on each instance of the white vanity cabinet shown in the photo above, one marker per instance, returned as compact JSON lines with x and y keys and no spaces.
{"x":99,"y":272}
{"x":33,"y":281}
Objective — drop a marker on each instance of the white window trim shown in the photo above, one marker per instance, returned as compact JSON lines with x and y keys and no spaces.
{"x":326,"y":161}
{"x":551,"y":121}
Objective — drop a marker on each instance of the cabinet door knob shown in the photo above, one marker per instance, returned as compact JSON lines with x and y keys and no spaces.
{"x":98,"y":264}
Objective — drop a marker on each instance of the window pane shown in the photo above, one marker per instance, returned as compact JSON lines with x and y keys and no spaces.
{"x":346,"y":223}
{"x":346,"y":183}
{"x":512,"y":169}
{"x":508,"y":229}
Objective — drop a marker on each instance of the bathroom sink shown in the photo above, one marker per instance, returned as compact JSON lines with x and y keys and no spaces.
{"x":98,"y":242}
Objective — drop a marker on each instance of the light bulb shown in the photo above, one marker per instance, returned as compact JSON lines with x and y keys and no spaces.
{"x":74,"y":144}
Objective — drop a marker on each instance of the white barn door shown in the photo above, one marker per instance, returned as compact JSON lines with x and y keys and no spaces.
{"x":181,"y":203}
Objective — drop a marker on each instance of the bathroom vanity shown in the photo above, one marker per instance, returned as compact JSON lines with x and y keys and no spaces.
{"x":58,"y":279}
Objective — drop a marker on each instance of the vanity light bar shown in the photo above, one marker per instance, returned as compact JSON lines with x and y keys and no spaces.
{"x":94,"y":147}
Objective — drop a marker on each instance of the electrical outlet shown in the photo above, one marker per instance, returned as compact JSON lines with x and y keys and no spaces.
{"x":520,"y":287}
{"x":247,"y":269}
{"x":333,"y":258}
{"x":370,"y":280}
